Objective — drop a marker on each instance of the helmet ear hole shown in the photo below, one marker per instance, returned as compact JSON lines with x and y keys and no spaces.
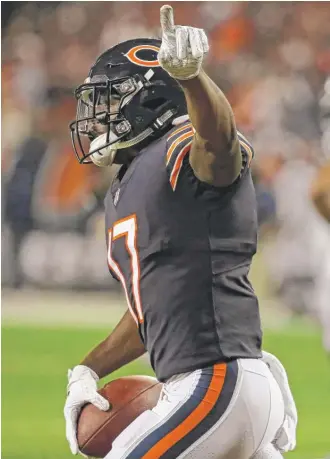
{"x":153,"y":104}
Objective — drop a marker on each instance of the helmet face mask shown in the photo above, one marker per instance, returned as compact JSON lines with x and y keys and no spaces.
{"x":122,"y":103}
{"x":98,"y":112}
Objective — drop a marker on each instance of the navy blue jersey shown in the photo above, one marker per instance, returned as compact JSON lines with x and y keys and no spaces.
{"x":182,"y":250}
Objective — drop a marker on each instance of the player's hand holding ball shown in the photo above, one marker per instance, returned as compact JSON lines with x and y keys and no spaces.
{"x":82,"y":389}
{"x":183,"y":48}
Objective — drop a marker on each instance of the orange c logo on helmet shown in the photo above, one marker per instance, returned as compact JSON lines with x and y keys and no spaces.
{"x":131,"y":56}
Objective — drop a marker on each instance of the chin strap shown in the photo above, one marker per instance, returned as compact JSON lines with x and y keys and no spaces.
{"x":158,"y":124}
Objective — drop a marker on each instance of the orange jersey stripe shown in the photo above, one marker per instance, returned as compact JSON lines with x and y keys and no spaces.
{"x":178,"y":164}
{"x":246,"y":144}
{"x":242,"y":137}
{"x":176,"y":143}
{"x":247,"y":148}
{"x":180,"y":129}
{"x":195,"y":418}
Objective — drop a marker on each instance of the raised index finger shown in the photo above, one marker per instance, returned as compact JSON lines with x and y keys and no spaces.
{"x":167,"y":19}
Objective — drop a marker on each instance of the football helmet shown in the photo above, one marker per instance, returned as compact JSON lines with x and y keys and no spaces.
{"x":127,"y":99}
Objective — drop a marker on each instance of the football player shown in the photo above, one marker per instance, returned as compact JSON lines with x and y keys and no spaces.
{"x":320,"y":195}
{"x":181,"y":230}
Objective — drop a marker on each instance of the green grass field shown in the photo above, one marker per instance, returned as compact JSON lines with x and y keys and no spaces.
{"x":35,"y":361}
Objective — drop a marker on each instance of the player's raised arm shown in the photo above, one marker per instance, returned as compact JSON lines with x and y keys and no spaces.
{"x":215,"y":154}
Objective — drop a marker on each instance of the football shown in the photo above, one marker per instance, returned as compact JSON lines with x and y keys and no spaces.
{"x":129,"y":396}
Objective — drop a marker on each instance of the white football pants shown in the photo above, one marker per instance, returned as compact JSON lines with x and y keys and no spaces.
{"x":228,"y":411}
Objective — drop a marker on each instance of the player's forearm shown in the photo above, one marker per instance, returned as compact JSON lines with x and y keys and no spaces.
{"x":210,"y":112}
{"x":122,"y":346}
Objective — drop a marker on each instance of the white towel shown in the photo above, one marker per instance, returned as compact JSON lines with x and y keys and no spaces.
{"x":286,"y":436}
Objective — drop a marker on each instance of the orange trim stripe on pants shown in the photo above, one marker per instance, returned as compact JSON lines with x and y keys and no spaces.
{"x":195,"y":417}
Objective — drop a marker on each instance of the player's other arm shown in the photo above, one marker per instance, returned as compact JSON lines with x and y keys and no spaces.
{"x":215,"y":154}
{"x":122,"y":346}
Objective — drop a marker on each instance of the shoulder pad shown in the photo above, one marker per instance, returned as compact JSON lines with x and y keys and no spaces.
{"x":178,"y":144}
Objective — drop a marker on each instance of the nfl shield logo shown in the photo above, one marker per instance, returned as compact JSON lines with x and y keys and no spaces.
{"x":115,"y":199}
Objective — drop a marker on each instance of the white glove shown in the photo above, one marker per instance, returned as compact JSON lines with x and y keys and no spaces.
{"x":182,"y":49}
{"x":82,"y":389}
{"x":286,"y":436}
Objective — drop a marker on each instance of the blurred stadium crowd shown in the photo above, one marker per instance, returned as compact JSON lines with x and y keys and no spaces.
{"x":270,"y":58}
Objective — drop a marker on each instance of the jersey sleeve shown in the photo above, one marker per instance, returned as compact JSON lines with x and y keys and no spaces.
{"x":177,"y":147}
